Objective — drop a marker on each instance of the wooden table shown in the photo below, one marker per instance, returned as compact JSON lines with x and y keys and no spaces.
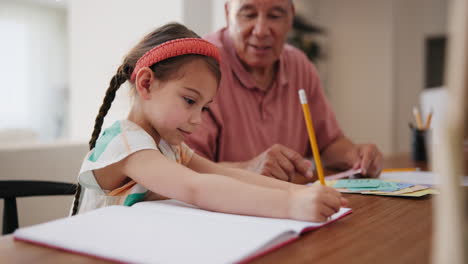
{"x":380,"y":230}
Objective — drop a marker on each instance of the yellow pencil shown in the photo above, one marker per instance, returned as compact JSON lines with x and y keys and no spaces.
{"x":417,"y":117}
{"x":312,"y":138}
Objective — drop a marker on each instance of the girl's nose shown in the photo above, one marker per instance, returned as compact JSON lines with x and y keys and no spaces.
{"x":196,"y":118}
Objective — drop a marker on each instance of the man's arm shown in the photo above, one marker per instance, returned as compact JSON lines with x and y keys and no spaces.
{"x":339,"y":154}
{"x":343,"y":154}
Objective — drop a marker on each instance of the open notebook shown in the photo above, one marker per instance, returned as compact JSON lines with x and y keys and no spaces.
{"x":167,"y":232}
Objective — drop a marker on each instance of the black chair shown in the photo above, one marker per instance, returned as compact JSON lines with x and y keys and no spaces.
{"x":9,"y":190}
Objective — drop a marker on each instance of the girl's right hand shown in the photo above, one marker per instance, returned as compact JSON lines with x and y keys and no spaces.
{"x":315,"y":203}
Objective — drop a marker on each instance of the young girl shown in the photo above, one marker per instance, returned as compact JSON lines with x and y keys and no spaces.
{"x":174,"y":75}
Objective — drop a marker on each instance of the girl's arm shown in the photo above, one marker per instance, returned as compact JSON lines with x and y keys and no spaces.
{"x":202,"y":165}
{"x":208,"y":191}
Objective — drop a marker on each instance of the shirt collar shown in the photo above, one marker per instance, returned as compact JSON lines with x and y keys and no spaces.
{"x":239,"y":70}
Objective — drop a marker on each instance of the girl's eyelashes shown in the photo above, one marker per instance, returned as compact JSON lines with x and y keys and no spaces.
{"x":189,"y":101}
{"x":192,"y":102}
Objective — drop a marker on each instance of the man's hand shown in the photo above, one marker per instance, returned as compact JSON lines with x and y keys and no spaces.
{"x":343,"y":154}
{"x":281,"y":163}
{"x":368,"y":158}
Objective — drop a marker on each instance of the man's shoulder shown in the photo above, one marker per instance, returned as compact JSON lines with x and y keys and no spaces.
{"x":296,"y":60}
{"x":294,"y":54}
{"x":215,"y":38}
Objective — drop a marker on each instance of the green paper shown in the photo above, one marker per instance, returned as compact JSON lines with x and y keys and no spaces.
{"x":383,"y":187}
{"x":357,"y":183}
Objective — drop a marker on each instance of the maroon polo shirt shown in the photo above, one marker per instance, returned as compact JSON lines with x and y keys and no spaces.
{"x":244,"y":120}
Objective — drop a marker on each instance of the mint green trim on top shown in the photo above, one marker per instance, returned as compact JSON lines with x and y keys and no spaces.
{"x":134,"y":198}
{"x":104,"y":140}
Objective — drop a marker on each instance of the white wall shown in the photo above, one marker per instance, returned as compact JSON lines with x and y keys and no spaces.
{"x":101,"y":33}
{"x":375,"y":65}
{"x":414,"y":21}
{"x":219,"y":19}
{"x":359,"y":66}
{"x":33,"y":69}
{"x":196,"y":15}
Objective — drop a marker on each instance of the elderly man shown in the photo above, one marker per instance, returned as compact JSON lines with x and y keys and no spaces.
{"x":256,"y":120}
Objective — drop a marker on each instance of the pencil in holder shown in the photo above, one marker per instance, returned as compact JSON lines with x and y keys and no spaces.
{"x":419,"y":140}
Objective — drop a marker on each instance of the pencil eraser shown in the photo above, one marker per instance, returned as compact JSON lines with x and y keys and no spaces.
{"x":302,"y":96}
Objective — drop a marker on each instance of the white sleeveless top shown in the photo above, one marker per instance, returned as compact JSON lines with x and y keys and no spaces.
{"x":117,"y":142}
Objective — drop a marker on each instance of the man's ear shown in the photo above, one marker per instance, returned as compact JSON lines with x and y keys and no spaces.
{"x":144,"y":79}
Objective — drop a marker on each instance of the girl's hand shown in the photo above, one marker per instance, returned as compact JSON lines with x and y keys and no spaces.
{"x":315,"y":203}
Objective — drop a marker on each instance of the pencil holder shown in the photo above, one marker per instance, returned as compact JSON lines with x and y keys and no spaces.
{"x":419,"y":144}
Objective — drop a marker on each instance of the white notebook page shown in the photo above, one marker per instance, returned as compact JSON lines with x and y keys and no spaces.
{"x":163,"y":233}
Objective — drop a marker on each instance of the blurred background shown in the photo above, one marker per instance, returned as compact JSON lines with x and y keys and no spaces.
{"x":376,"y":58}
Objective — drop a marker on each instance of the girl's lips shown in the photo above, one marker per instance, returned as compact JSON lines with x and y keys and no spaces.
{"x":184,"y":132}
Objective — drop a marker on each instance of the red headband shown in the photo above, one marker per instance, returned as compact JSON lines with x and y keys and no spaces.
{"x":175,"y":48}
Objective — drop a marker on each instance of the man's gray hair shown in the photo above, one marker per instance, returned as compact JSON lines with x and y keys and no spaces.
{"x":290,"y":1}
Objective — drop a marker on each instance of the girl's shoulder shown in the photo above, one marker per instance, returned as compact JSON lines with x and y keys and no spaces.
{"x":115,"y":143}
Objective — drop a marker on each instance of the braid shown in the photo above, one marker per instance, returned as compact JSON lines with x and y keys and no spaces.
{"x":123,"y":73}
{"x":77,"y":199}
{"x":117,"y":80}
